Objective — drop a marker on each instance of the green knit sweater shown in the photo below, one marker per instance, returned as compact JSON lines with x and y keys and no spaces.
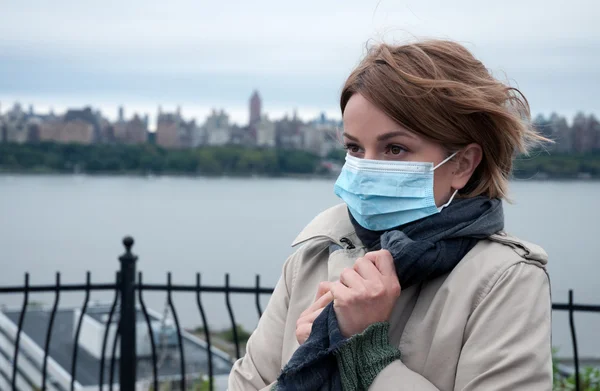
{"x":364,"y":355}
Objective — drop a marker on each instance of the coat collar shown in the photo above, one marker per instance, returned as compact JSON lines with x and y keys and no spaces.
{"x":334,"y":224}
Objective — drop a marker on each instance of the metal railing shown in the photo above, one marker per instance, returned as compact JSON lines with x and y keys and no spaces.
{"x":125,"y":288}
{"x":571,"y":308}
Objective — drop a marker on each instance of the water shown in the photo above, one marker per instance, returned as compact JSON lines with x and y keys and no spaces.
{"x":73,"y":224}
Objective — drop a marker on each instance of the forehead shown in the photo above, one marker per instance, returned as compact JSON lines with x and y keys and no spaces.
{"x":361,"y":115}
{"x":364,"y":121}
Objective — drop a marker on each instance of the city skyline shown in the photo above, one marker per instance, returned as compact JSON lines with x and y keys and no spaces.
{"x":238,"y":116}
{"x":238,"y":113}
{"x":87,"y":125}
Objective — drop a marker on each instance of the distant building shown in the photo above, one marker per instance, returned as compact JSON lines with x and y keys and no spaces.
{"x":73,"y":131}
{"x":93,"y":327}
{"x":3,"y":127}
{"x":255,"y":109}
{"x":313,"y":139}
{"x":320,"y":141}
{"x":174,"y":132}
{"x":586,"y":132}
{"x":18,"y":126}
{"x":288,"y":133}
{"x":3,"y":132}
{"x":87,"y":116}
{"x":595,"y":125}
{"x":217,"y":129}
{"x":198,"y":136}
{"x":107,"y":129}
{"x":265,"y":133}
{"x":562,"y":134}
{"x":14,"y":128}
{"x":134,"y":131}
{"x":121,"y":114}
{"x":323,"y":135}
{"x":167,"y":131}
{"x":188,"y":133}
{"x":245,"y":135}
{"x":543,"y":126}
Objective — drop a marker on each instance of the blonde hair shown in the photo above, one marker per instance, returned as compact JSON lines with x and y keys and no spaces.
{"x":439,"y":90}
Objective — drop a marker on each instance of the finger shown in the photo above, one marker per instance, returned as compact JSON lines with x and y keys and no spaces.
{"x":322,"y":290}
{"x":320,"y":303}
{"x":351,"y":278}
{"x":367,"y":269}
{"x":384,"y":262}
{"x":339,"y":292}
{"x":311,"y":318}
{"x":324,"y":287}
{"x":302,"y":333}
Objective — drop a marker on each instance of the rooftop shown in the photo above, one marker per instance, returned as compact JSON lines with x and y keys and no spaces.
{"x":88,"y":365}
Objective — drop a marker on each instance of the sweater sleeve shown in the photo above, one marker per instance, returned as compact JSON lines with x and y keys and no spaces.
{"x":364,"y":355}
{"x":369,"y":361}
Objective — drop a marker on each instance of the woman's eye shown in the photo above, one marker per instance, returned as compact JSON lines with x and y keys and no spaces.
{"x":395,"y":149}
{"x":352,"y":148}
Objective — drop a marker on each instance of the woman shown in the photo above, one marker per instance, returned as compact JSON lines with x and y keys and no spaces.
{"x":412,"y":284}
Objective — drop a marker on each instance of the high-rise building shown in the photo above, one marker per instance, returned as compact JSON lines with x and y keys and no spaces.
{"x":585,"y":133}
{"x":561,"y":133}
{"x":265,"y":132}
{"x":121,"y":114}
{"x":255,"y":109}
{"x":134,"y":131}
{"x":172,"y":131}
{"x":15,"y":120}
{"x":167,"y":130}
{"x":217,"y":128}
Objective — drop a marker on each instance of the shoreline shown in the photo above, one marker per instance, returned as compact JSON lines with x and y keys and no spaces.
{"x":333,"y":176}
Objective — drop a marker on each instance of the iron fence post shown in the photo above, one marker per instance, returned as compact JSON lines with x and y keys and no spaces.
{"x":127,"y":320}
{"x":574,"y":339}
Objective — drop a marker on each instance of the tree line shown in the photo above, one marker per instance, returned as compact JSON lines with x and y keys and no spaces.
{"x":150,"y":159}
{"x":233,"y":160}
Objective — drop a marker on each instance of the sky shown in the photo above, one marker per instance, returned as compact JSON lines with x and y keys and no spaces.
{"x":201,"y":54}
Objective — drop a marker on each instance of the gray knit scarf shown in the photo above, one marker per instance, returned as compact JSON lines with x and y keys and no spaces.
{"x":422,"y":250}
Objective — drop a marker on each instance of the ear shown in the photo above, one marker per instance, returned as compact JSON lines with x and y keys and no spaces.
{"x":466,"y":162}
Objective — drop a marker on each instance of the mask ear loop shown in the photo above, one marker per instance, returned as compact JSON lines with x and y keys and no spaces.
{"x":449,"y":201}
{"x":455,"y":191}
{"x":444,"y":161}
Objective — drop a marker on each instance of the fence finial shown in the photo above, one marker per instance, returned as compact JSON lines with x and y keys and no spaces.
{"x":128,"y":243}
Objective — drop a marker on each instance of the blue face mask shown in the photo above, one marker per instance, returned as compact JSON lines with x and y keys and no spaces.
{"x":383,"y":194}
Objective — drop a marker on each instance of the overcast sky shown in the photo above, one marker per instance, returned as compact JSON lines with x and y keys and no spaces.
{"x":200,"y":54}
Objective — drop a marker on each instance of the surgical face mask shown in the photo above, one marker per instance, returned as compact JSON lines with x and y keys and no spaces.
{"x":383,"y":194}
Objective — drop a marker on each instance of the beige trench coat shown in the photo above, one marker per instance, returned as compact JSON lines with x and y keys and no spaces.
{"x":484,"y":326}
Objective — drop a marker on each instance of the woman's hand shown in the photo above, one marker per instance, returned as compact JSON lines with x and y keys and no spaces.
{"x":366,"y":293}
{"x":305,"y":322}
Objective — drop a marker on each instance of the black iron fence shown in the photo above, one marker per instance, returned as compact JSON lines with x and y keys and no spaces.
{"x":125,"y":287}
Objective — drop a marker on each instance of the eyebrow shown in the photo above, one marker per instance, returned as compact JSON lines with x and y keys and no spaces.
{"x":383,"y":137}
{"x":344,"y":134}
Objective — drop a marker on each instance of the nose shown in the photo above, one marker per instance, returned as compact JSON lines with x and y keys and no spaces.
{"x":371,"y":154}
